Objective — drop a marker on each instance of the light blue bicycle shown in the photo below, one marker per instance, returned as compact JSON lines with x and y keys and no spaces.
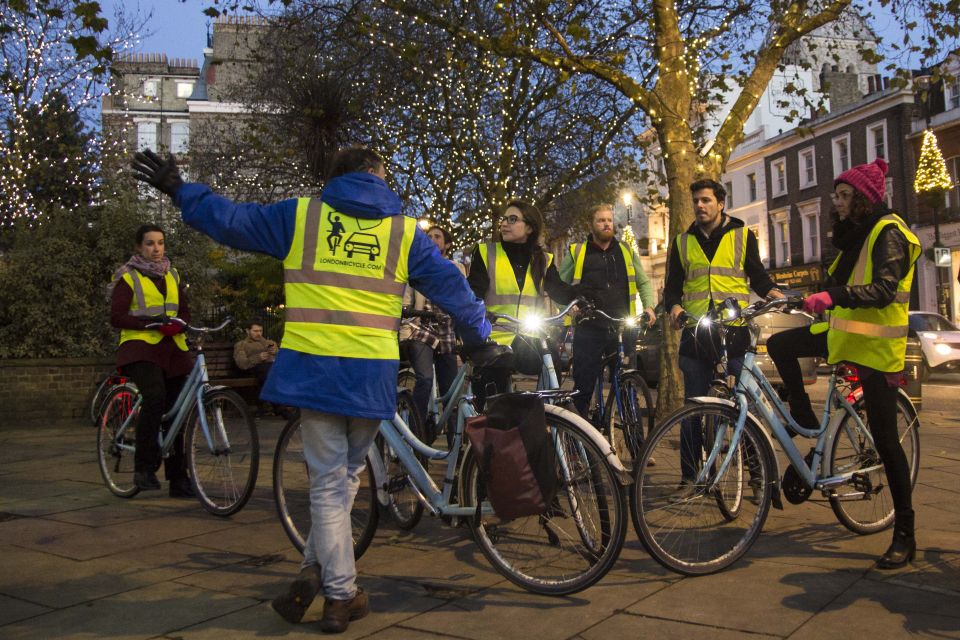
{"x":717,"y":471}
{"x":221,"y":445}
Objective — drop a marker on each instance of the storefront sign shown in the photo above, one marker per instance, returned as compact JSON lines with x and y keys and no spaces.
{"x":795,"y":277}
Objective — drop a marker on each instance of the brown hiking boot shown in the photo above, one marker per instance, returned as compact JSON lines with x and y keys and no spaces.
{"x":337,"y":614}
{"x":301,"y":592}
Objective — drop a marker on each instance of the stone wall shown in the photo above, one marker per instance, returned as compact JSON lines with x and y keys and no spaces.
{"x":48,"y":389}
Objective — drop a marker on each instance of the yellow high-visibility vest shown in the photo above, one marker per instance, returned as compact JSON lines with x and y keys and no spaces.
{"x":714,"y":280}
{"x":148,"y":303}
{"x":876,"y":338}
{"x":503,"y":294}
{"x":579,"y":253}
{"x":343,"y":279}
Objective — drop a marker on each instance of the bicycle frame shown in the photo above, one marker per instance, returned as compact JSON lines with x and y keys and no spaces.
{"x":194,"y":388}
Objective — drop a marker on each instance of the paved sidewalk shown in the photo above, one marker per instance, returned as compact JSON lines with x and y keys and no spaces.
{"x":76,"y":562}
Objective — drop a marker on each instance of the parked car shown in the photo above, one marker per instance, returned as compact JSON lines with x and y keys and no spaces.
{"x":939,"y":342}
{"x":648,"y":348}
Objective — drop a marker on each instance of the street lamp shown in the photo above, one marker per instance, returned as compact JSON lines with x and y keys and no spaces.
{"x":424,"y":223}
{"x":628,"y":203}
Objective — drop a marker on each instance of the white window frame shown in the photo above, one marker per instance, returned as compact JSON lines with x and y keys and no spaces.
{"x":888,"y":192}
{"x":952,"y":97}
{"x":781,"y":217}
{"x":179,"y":140}
{"x":838,"y":167}
{"x":151,"y":87}
{"x":753,"y":187}
{"x":729,"y":187}
{"x":953,"y":169}
{"x":802,"y":155}
{"x":184,"y":88}
{"x":144,"y":138}
{"x":872,"y":141}
{"x":778,"y":170}
{"x":810,"y":210}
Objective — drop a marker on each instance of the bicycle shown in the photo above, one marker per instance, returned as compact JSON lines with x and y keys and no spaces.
{"x":703,"y":524}
{"x":562,"y":551}
{"x":620,"y":418}
{"x":221,"y":445}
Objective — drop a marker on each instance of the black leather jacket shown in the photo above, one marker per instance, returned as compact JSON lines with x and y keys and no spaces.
{"x":891,"y":262}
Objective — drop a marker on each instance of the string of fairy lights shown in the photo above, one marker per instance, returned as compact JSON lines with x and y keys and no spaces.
{"x":44,"y":80}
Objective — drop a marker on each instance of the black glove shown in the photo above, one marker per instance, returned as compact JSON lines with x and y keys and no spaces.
{"x":161,"y":174}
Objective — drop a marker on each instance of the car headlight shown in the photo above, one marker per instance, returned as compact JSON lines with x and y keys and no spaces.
{"x":942,"y":349}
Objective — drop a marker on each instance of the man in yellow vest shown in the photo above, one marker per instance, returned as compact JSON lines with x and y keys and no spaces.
{"x":338,"y":359}
{"x":868,"y":295}
{"x":715,"y":259}
{"x":609,"y":274}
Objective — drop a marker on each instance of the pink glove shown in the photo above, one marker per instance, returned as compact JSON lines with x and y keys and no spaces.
{"x":818,"y":302}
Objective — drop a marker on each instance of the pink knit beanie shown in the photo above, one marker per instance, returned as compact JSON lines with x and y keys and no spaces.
{"x":868,"y":179}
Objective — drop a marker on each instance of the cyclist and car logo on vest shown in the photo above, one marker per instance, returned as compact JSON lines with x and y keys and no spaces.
{"x":357,"y":242}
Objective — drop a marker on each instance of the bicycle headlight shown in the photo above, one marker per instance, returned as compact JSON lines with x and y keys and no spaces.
{"x":532,"y":324}
{"x":630,"y":322}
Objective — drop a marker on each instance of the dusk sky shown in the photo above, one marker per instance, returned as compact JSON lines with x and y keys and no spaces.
{"x":178,"y":29}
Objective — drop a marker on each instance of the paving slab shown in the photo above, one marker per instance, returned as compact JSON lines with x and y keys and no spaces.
{"x":629,"y":625}
{"x":13,"y":609}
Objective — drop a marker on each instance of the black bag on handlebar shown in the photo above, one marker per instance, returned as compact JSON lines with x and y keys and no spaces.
{"x":515,"y":454}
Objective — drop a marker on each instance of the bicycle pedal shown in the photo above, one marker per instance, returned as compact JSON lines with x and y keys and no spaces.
{"x":396,"y":484}
{"x":861,"y":482}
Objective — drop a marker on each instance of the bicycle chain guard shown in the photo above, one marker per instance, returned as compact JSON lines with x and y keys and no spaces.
{"x":793,"y":486}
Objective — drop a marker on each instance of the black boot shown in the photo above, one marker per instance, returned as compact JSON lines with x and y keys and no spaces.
{"x":301,"y":592}
{"x":802,"y":412}
{"x":904,"y":545}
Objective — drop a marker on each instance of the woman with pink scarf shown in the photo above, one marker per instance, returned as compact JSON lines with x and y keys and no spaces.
{"x":148,"y":291}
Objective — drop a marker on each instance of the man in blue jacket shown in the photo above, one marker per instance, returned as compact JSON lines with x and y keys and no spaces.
{"x":338,"y":360}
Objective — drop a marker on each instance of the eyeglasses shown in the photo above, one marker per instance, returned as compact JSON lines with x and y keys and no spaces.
{"x":511,"y":219}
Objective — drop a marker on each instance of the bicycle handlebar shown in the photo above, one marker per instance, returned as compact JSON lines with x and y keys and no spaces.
{"x":154,"y":325}
{"x":545,"y":320}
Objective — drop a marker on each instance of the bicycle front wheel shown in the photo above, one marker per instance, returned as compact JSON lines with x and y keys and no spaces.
{"x":223,"y":459}
{"x":117,"y":439}
{"x":868,"y":508}
{"x":694,"y":520}
{"x":291,"y":492}
{"x":634,"y":417}
{"x":577,"y":540}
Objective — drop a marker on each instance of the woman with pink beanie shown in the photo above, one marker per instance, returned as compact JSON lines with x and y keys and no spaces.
{"x":868,"y":294}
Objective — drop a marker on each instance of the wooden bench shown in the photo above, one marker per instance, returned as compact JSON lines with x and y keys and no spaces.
{"x":223,"y":370}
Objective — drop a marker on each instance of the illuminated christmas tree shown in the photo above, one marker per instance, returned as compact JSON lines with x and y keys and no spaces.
{"x":630,"y":238}
{"x":932,"y":177}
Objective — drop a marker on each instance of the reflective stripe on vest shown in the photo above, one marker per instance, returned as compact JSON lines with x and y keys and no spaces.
{"x":872,"y":337}
{"x":713,"y":281}
{"x":148,"y":303}
{"x":579,"y":253}
{"x":343,"y":279}
{"x":503,"y":293}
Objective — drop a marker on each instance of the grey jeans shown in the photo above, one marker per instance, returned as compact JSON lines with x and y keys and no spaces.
{"x":335,"y":448}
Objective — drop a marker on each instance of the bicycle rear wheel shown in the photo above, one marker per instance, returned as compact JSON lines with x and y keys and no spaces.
{"x":576,"y":542}
{"x":696,"y":528}
{"x":871,"y":510}
{"x":291,"y":492}
{"x":402,"y":502}
{"x":115,"y":450}
{"x":224,"y":468}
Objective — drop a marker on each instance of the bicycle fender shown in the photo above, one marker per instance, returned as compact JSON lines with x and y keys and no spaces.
{"x":379,"y":473}
{"x":623,"y":476}
{"x":776,"y":500}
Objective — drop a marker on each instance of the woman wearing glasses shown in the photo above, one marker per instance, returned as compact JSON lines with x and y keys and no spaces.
{"x":514,"y":276}
{"x":867,"y":293}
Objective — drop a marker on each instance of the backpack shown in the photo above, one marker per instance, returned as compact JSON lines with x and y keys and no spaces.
{"x":516,"y":455}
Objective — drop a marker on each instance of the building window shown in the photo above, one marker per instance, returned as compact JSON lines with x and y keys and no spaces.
{"x":953,"y":195}
{"x":953,"y":95}
{"x":779,"y":176}
{"x":808,"y":168}
{"x":841,"y":154}
{"x":729,"y":187}
{"x":876,"y":141}
{"x":810,"y":215}
{"x":151,"y":88}
{"x":146,"y":135}
{"x":781,"y":237}
{"x":179,"y":137}
{"x":184,"y":89}
{"x":751,"y":187}
{"x":888,"y":192}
